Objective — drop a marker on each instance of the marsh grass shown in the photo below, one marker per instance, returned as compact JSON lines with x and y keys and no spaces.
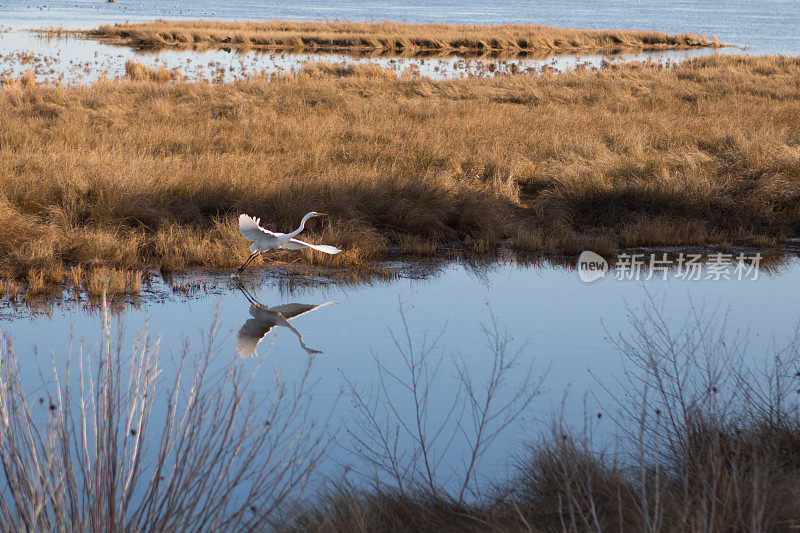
{"x":10,"y":289}
{"x":141,"y":175}
{"x":138,"y":72}
{"x":413,"y":245}
{"x":387,"y":37}
{"x":102,"y":281}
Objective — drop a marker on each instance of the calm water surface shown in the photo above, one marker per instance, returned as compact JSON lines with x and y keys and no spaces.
{"x":561,"y":324}
{"x":75,"y":60}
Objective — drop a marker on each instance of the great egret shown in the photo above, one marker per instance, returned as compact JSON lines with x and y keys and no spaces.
{"x":265,"y":239}
{"x":264,"y":319}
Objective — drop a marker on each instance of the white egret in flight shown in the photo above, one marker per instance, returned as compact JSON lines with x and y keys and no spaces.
{"x":264,"y":319}
{"x":265,"y":239}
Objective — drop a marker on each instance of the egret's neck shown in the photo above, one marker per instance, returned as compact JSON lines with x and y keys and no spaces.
{"x":302,"y":224}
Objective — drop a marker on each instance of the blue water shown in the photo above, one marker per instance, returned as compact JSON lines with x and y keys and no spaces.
{"x":759,"y":26}
{"x":561,"y":325}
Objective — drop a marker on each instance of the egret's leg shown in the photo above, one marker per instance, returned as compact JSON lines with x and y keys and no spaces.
{"x":249,"y":259}
{"x":241,"y":268}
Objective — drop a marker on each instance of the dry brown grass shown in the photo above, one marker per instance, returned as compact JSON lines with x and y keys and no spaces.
{"x":28,"y":79}
{"x":388,"y":37}
{"x":101,"y":281}
{"x":137,"y":71}
{"x":10,"y":289}
{"x":411,"y":244}
{"x":133,"y":175}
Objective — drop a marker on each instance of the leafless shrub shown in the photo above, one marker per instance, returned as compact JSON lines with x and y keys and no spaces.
{"x":708,"y":439}
{"x":722,"y":429}
{"x":411,"y":451}
{"x":96,"y":452}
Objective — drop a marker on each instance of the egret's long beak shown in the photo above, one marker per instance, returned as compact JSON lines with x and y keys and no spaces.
{"x":322,"y":214}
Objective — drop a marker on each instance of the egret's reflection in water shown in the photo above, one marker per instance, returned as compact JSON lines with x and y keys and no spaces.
{"x":265,"y":318}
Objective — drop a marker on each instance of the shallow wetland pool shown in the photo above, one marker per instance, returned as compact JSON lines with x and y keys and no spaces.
{"x":560,"y":323}
{"x":347,"y":334}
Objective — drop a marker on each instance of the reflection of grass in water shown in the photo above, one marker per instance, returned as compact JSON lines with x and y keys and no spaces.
{"x":387,"y":36}
{"x":354,"y":52}
{"x":140,"y":175}
{"x":297,"y":279}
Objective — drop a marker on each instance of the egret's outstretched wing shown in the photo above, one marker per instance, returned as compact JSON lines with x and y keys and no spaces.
{"x":251,"y":228}
{"x":297,"y":244}
{"x":250,"y":335}
{"x":289,"y":245}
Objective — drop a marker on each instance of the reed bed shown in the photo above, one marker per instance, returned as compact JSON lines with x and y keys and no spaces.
{"x":142,"y":174}
{"x":389,"y":37}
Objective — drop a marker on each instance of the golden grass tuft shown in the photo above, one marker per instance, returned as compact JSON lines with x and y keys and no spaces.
{"x":130,"y":175}
{"x":36,"y":282}
{"x":76,"y":277}
{"x":28,"y":79}
{"x":133,"y":281}
{"x":138,"y":72}
{"x":112,"y":281}
{"x":10,"y":288}
{"x":415,"y":245}
{"x":387,"y":37}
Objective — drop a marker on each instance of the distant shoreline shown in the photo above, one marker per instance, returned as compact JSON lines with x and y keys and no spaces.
{"x":388,"y":37}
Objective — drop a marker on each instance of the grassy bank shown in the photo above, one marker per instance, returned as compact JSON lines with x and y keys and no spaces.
{"x":729,"y":477}
{"x":388,"y":37}
{"x":141,"y":173}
